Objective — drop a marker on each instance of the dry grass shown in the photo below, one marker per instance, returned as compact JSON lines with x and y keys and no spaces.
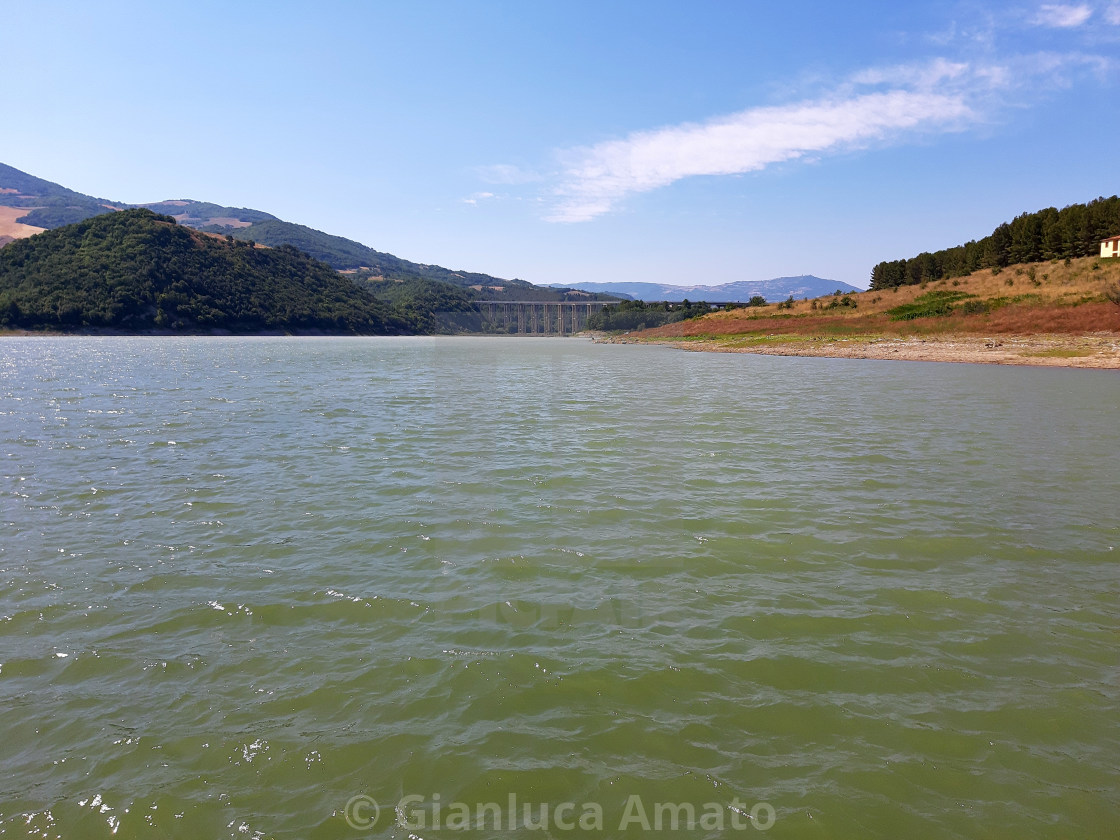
{"x":225,"y":221}
{"x":1048,"y":314}
{"x":228,"y":221}
{"x":1051,"y":298}
{"x":10,"y":227}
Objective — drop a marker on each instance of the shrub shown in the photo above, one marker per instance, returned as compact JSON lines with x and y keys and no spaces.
{"x":930,"y":305}
{"x":974,"y":307}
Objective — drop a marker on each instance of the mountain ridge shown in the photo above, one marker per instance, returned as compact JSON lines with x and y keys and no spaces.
{"x":136,"y":271}
{"x":739,"y":291}
{"x":50,"y":205}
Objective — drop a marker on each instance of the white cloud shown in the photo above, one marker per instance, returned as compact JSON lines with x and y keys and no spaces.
{"x":474,"y":198}
{"x":913,"y":75}
{"x":1112,"y":14}
{"x":1043,"y":71}
{"x":876,"y":106}
{"x":596,"y":178}
{"x":1062,"y":16}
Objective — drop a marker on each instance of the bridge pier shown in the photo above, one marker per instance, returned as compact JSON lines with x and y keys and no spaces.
{"x":539,"y":317}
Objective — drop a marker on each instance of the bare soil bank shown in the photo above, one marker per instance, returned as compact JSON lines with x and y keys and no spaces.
{"x":1052,"y":314}
{"x":1099,"y":350}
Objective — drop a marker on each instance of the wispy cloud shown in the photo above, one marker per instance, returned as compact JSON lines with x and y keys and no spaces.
{"x":923,"y":98}
{"x":1112,"y":14}
{"x":474,"y":198}
{"x":1062,"y":16}
{"x":874,"y":107}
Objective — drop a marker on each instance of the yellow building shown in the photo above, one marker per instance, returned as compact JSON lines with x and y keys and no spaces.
{"x":1111,"y":247}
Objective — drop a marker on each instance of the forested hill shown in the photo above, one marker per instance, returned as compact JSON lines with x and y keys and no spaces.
{"x":136,"y":271}
{"x":1050,"y":234}
{"x":51,"y":205}
{"x":348,"y":255}
{"x":48,"y":204}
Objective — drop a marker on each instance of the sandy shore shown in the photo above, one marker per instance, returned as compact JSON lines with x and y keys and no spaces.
{"x":1099,"y":350}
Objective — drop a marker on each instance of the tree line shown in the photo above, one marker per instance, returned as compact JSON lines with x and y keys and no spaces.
{"x":1050,"y":234}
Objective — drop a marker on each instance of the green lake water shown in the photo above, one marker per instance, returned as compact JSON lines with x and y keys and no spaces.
{"x":252,"y":587}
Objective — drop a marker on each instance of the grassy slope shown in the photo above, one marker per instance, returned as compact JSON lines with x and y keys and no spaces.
{"x":1041,"y":298}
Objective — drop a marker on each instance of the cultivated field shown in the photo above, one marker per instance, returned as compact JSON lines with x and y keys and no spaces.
{"x":10,"y":227}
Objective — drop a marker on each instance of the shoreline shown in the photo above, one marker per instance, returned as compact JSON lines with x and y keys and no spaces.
{"x":1100,"y":351}
{"x":1093,"y":351}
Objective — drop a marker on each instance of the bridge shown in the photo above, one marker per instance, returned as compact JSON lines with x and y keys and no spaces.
{"x":555,"y":317}
{"x":540,"y":317}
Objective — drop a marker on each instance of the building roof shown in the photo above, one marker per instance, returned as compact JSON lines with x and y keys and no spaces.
{"x":1110,"y":239}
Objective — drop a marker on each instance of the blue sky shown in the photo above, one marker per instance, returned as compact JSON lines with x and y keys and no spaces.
{"x":563,"y":141}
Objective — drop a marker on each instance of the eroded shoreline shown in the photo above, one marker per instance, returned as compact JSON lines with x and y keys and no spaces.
{"x":1097,"y":350}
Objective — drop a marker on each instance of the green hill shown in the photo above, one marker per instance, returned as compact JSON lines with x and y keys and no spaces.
{"x":348,"y":255}
{"x":336,"y":251}
{"x":1050,"y":234}
{"x":209,"y":217}
{"x":48,"y":204}
{"x":136,"y":271}
{"x":429,"y":298}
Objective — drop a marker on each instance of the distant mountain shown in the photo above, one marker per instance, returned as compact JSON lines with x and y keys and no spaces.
{"x":49,"y":205}
{"x":136,"y":271}
{"x":780,"y":288}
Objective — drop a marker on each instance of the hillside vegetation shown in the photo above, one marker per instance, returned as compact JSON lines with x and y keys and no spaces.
{"x":430,"y":306}
{"x":44,"y":204}
{"x":1050,"y":234}
{"x":213,"y":218}
{"x":1038,"y":275}
{"x":137,"y":271}
{"x":1048,"y":298}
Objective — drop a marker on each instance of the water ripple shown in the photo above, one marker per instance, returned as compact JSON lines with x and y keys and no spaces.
{"x":244,"y":580}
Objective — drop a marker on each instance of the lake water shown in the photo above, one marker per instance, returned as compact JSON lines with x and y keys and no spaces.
{"x":250,"y":586}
